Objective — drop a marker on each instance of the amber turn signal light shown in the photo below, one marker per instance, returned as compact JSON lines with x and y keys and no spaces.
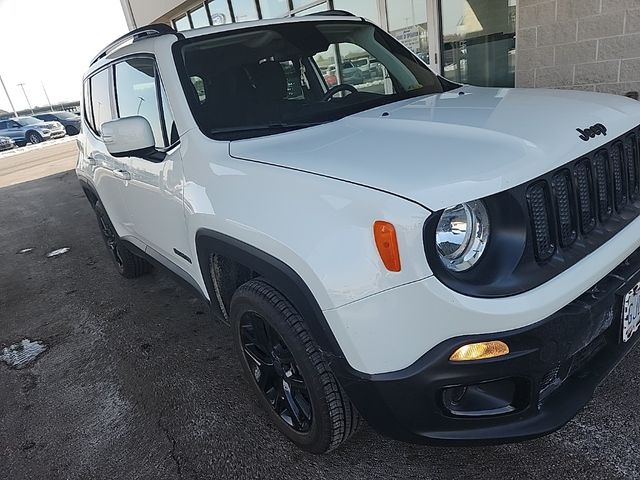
{"x":480,"y":351}
{"x":387,"y":243}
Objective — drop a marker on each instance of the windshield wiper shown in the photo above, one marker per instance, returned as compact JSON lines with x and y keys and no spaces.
{"x":265,"y":127}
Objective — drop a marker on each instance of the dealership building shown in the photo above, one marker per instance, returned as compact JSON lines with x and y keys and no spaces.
{"x":590,"y":45}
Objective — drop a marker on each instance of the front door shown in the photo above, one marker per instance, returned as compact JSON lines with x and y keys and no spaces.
{"x":154,"y":191}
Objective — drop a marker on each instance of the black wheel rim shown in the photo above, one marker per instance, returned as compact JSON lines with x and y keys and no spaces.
{"x":276,"y":372}
{"x":111,"y":239}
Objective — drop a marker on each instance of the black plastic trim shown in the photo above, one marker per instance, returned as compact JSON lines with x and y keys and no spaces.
{"x":284,"y":279}
{"x":581,"y":343}
{"x":182,"y":277}
{"x":148,"y":31}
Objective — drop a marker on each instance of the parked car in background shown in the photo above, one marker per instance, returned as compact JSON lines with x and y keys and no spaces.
{"x":70,"y":121}
{"x":6,"y":144}
{"x":370,"y":68}
{"x":349,"y":74}
{"x":23,"y":130}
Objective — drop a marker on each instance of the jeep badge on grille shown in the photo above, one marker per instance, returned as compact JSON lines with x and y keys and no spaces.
{"x":591,"y":132}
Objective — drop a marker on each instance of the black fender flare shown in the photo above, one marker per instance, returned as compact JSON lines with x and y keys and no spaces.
{"x":283,"y":278}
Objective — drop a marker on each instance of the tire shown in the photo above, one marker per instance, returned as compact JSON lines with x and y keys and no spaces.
{"x":34,"y":138}
{"x":71,"y":131}
{"x":128,"y":264}
{"x":293,"y":377}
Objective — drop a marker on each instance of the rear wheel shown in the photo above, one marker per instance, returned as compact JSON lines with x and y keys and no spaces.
{"x":287,"y":370}
{"x":34,"y":138}
{"x":128,"y":264}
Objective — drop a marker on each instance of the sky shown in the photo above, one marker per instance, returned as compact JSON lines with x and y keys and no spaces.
{"x":52,"y":41}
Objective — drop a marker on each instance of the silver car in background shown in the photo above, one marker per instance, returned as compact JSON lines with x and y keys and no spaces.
{"x":6,"y":144}
{"x":23,"y":130}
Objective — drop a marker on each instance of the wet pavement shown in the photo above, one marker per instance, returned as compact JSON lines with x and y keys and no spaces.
{"x":138,"y":383}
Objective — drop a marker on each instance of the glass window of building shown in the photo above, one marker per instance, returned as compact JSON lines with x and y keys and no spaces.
{"x":182,"y":24}
{"x":479,"y":42}
{"x":274,"y":8}
{"x":363,"y":8}
{"x":245,"y":10}
{"x":323,"y":7}
{"x":219,"y":10}
{"x":199,"y":17}
{"x":301,"y":3}
{"x":408,"y":24}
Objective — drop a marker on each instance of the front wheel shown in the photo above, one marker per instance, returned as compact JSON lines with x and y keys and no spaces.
{"x":287,"y":370}
{"x":34,"y":138}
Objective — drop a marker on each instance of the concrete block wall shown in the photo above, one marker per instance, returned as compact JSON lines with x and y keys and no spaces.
{"x":589,"y":45}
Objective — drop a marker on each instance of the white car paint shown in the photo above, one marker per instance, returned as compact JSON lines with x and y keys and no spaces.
{"x":497,"y":137}
{"x":309,"y":198}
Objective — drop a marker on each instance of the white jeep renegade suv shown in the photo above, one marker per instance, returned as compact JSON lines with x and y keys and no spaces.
{"x":453,"y":264}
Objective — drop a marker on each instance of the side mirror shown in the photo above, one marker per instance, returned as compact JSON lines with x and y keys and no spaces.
{"x":131,"y":137}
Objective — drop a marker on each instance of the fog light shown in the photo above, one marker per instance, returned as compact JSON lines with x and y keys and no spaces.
{"x":496,"y":397}
{"x":480,"y":351}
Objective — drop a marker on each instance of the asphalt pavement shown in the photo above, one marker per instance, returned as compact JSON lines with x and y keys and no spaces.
{"x":137,"y":382}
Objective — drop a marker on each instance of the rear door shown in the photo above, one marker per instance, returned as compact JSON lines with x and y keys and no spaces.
{"x":154,"y":194}
{"x":109,"y":174}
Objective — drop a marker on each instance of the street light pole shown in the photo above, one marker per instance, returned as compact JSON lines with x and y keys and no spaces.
{"x":8,"y":97}
{"x":47,"y":95}
{"x":21,"y":85}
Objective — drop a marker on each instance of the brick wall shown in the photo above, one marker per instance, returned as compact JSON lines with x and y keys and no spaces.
{"x":581,"y":44}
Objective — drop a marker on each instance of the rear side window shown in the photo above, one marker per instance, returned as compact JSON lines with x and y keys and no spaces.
{"x":100,"y":99}
{"x":137,"y":87}
{"x":3,"y":125}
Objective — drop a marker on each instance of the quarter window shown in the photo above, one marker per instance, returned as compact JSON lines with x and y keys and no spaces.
{"x":137,"y":94}
{"x":101,"y":99}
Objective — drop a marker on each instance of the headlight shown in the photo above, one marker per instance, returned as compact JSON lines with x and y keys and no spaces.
{"x":462,"y":235}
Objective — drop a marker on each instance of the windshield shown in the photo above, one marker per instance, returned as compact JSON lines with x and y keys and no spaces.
{"x":24,"y":121}
{"x":274,"y":78}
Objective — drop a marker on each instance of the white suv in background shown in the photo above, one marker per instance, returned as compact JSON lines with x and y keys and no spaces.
{"x":453,"y":264}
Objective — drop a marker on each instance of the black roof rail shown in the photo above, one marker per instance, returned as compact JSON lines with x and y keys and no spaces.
{"x":148,"y":31}
{"x":331,"y":13}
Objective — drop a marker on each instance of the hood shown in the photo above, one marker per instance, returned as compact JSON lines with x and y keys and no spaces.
{"x":444,"y":149}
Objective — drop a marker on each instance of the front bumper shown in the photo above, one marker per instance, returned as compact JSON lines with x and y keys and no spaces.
{"x":58,"y":133}
{"x":6,"y":146}
{"x":554,"y":367}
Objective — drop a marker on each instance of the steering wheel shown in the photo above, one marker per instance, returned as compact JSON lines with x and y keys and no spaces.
{"x":338,"y":88}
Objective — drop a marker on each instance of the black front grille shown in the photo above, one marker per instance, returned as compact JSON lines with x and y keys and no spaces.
{"x":594,"y":191}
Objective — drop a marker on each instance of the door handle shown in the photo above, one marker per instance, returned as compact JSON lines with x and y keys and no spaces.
{"x":122,"y":174}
